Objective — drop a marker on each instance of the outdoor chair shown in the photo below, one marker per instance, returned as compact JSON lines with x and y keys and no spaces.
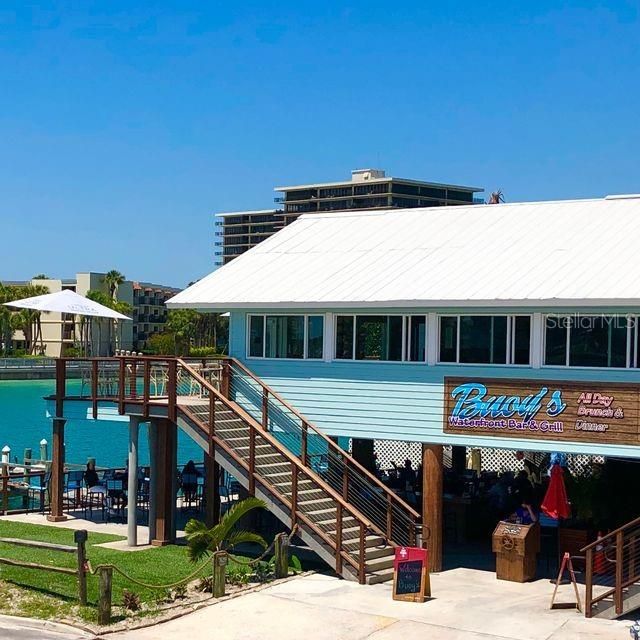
{"x":72,"y":495}
{"x":159,"y":377}
{"x":116,"y":498}
{"x":225,"y":500}
{"x":95,"y":499}
{"x":189,"y":490}
{"x":38,"y":494}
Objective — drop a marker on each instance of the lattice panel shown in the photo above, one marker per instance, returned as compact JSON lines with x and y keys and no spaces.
{"x":500,"y":460}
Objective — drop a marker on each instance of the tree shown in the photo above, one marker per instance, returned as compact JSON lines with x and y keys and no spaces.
{"x":40,"y":276}
{"x":113,"y":279}
{"x":224,"y":536}
{"x":114,"y":333}
{"x":25,"y":320}
{"x":198,"y":329}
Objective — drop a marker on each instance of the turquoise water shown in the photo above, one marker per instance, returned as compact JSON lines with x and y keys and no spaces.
{"x":23,"y":423}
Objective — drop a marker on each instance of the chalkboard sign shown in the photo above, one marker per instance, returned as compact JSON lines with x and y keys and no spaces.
{"x":411,"y":575}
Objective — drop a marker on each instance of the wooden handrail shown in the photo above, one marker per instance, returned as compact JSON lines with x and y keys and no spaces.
{"x":611,"y":534}
{"x":352,"y":461}
{"x":300,"y":515}
{"x":266,"y":435}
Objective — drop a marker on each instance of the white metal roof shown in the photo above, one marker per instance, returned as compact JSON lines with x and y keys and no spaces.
{"x":574,"y":252}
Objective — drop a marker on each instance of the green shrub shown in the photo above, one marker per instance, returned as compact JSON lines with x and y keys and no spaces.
{"x":203,"y":352}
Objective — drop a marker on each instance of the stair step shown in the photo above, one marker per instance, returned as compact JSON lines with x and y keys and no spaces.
{"x":369,"y":542}
{"x":376,"y":577}
{"x":378,"y":564}
{"x":348,"y":533}
{"x":347,"y":521}
{"x":374,"y":552}
{"x":319,"y":512}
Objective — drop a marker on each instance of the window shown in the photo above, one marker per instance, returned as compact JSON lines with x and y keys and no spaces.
{"x":416,"y":349}
{"x":380,"y":337}
{"x":293,"y":337}
{"x":315,"y":337}
{"x":485,"y":339}
{"x":344,"y":337}
{"x":590,"y":341}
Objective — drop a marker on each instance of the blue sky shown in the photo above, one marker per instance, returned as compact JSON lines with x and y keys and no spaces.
{"x":124,"y":126}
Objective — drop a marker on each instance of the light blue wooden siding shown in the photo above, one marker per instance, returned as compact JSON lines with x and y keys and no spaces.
{"x":401,"y":401}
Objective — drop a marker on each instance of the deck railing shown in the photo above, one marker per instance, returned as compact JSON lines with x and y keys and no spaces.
{"x":612,"y":566}
{"x":225,"y":384}
{"x":392,"y":515}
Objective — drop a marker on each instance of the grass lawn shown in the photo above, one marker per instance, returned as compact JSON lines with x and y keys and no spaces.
{"x":53,"y":595}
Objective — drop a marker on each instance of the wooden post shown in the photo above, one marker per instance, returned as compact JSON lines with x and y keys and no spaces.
{"x":146,"y":388}
{"x":80,"y":538}
{"x":281,"y":555}
{"x":619,"y":572}
{"x":225,"y":382}
{"x":339,"y":539}
{"x":122,"y":374}
{"x":432,"y":470}
{"x":252,"y":461}
{"x":5,"y":489}
{"x":57,"y":472}
{"x":361,"y":555}
{"x":265,"y":409}
{"x":28,"y":456}
{"x":294,"y":495}
{"x":211,"y":490}
{"x":94,"y":389}
{"x":153,"y":477}
{"x":105,"y":577}
{"x":345,"y":480}
{"x":61,"y":386}
{"x":165,"y":468}
{"x":304,"y":444}
{"x":172,"y":389}
{"x":588,"y":584}
{"x":220,"y":560}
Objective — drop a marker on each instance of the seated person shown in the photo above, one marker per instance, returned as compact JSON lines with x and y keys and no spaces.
{"x":90,"y":475}
{"x":524,"y":514}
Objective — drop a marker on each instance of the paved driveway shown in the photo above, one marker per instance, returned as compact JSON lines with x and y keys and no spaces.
{"x":467,"y":605}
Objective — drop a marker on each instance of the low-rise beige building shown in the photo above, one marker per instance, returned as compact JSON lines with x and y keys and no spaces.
{"x":60,"y":332}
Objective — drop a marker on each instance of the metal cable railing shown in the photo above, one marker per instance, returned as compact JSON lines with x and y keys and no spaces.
{"x":369,"y":495}
{"x":612,"y":567}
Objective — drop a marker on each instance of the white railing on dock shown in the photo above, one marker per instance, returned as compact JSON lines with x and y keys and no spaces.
{"x":32,"y":363}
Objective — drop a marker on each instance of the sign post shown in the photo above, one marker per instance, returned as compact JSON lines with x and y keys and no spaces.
{"x":411,"y":575}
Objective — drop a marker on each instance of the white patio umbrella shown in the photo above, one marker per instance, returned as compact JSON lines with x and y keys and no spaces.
{"x":67,"y":301}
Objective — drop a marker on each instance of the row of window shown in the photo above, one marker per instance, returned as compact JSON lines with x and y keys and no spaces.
{"x":586,"y":341}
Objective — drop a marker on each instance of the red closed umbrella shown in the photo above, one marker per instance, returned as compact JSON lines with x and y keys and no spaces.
{"x":555,"y":503}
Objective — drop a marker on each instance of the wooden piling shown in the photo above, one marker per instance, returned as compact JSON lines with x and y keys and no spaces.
{"x":80,"y":538}
{"x":282,"y":555}
{"x":105,"y":577}
{"x":220,"y":561}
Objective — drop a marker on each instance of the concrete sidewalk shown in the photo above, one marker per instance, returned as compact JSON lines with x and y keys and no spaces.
{"x":467,"y":605}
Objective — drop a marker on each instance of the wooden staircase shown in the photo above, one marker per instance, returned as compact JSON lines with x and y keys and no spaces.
{"x":342,"y":512}
{"x":339,"y":509}
{"x":612,"y":573}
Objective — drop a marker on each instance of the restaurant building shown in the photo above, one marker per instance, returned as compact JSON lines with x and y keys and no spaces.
{"x":510,"y":328}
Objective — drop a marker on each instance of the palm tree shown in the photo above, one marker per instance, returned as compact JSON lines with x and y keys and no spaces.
{"x":101,"y":298}
{"x":113,"y":280}
{"x":224,"y":536}
{"x":497,"y":197}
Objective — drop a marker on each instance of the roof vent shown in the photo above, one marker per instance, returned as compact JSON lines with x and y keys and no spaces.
{"x":624,"y":196}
